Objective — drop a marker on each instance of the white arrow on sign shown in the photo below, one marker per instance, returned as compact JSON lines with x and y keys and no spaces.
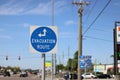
{"x":44,"y":33}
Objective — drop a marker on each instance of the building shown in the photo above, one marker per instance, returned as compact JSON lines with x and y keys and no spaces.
{"x":104,"y":68}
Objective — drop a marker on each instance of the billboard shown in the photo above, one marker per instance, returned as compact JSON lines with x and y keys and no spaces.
{"x":118,"y":34}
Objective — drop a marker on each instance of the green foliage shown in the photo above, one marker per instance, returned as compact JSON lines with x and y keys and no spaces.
{"x":76,"y":55}
{"x":72,"y":63}
{"x":60,"y":67}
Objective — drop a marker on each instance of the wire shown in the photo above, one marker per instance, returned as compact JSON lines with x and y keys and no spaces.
{"x":97,"y":17}
{"x":96,"y":29}
{"x":91,"y":10}
{"x":98,"y":38}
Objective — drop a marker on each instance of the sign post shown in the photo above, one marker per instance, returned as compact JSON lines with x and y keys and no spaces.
{"x":43,"y":66}
{"x":43,"y":40}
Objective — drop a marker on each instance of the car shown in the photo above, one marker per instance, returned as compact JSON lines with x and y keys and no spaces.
{"x":71,"y":76}
{"x":1,"y":74}
{"x":88,"y":76}
{"x":104,"y":76}
{"x":6,"y":73}
{"x":39,"y":75}
{"x":23,"y":74}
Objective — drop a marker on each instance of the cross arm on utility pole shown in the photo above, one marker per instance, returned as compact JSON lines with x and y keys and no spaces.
{"x":81,"y":3}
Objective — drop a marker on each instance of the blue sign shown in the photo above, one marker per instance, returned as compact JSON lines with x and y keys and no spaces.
{"x":85,"y":62}
{"x":88,"y":62}
{"x":82,"y":62}
{"x":43,"y":39}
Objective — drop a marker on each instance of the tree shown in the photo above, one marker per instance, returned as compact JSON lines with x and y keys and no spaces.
{"x":69,"y":64}
{"x":72,"y":63}
{"x":60,"y":67}
{"x":75,"y":61}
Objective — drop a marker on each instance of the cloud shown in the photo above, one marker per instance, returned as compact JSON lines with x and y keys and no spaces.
{"x":41,"y":9}
{"x":5,"y":37}
{"x":11,"y":8}
{"x":22,"y":7}
{"x":70,"y":22}
{"x":67,"y":35}
{"x":26,"y":25}
{"x":46,"y":8}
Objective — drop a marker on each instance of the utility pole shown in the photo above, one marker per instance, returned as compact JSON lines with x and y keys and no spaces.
{"x":80,"y":11}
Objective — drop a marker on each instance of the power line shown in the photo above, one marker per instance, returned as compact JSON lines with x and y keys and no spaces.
{"x":96,"y":29}
{"x":98,"y":38}
{"x":91,"y":10}
{"x":97,"y":17}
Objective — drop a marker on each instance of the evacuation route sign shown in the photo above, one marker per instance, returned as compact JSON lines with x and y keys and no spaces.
{"x":85,"y":62}
{"x":82,"y":62}
{"x":43,"y":39}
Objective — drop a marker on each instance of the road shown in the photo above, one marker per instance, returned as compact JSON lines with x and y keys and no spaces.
{"x":24,"y":78}
{"x":18,"y":78}
{"x":35,"y":78}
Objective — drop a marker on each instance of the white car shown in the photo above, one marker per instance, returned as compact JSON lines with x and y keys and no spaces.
{"x":88,"y":76}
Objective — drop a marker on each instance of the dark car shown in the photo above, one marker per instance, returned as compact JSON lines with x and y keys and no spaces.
{"x":6,"y":73}
{"x":23,"y":74}
{"x":71,"y":76}
{"x":104,"y":76}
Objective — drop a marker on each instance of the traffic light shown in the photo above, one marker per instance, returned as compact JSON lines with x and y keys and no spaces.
{"x":118,"y":51}
{"x":118,"y":56}
{"x":6,"y":57}
{"x":19,"y":58}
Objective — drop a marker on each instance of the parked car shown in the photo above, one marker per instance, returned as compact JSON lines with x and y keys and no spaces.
{"x":7,"y":74}
{"x":1,"y":74}
{"x":88,"y":76}
{"x":39,"y":75}
{"x":104,"y":76}
{"x":23,"y":74}
{"x":71,"y":76}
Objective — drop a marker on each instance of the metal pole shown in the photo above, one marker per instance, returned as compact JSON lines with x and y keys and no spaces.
{"x":52,"y":12}
{"x":53,"y":55}
{"x":115,"y":52}
{"x":43,"y":67}
{"x":54,"y":65}
{"x":52,"y":68}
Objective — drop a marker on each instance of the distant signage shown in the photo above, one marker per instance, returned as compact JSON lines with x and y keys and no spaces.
{"x":48,"y":64}
{"x":118,"y":34}
{"x":43,"y":39}
{"x":82,"y":62}
{"x":85,"y":62}
{"x":99,"y":68}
